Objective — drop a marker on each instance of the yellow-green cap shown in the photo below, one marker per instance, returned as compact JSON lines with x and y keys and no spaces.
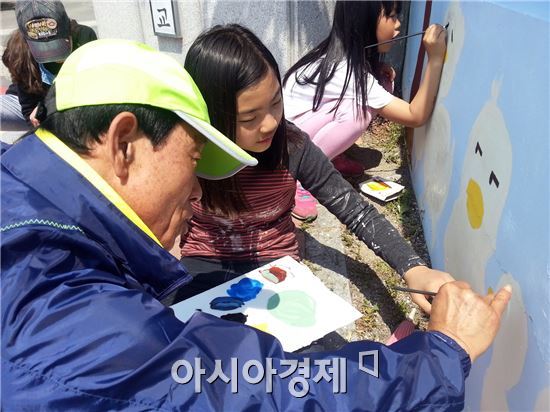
{"x":123,"y":72}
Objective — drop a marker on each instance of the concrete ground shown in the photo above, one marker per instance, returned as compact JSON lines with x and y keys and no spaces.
{"x":347,"y":266}
{"x":324,"y":251}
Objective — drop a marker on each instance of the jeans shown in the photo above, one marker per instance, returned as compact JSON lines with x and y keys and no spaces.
{"x":11,"y":118}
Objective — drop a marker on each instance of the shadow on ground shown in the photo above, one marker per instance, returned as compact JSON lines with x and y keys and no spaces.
{"x":365,"y":279}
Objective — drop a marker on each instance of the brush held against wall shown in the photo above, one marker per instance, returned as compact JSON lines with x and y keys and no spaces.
{"x":401,"y":38}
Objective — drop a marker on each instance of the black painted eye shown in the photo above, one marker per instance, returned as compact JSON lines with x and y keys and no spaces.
{"x":452,"y":32}
{"x":478,"y":149}
{"x":493,"y":179}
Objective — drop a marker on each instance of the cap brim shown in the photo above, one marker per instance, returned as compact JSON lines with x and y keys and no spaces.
{"x":50,"y":51}
{"x":221,"y":157}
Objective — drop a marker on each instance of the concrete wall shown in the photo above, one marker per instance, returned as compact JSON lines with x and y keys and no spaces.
{"x":480,"y":173}
{"x":287,"y":28}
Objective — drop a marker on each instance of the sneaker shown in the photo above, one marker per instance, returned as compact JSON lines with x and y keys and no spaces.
{"x":305,"y":205}
{"x":347,"y":166}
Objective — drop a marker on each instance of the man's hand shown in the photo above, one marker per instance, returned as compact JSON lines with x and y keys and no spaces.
{"x":424,"y":278}
{"x":470,"y":319}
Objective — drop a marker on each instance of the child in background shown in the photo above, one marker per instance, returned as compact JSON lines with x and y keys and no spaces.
{"x":335,"y":90}
{"x":34,"y":55}
{"x":25,"y":75}
{"x":245,"y":221}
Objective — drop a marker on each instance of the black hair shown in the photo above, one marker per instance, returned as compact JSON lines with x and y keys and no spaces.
{"x":353,"y":28}
{"x":80,"y":127}
{"x":224,"y":61}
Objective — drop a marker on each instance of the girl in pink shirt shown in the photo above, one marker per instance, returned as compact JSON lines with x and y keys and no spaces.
{"x":333,"y":92}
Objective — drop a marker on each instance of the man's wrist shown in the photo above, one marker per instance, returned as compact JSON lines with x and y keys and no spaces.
{"x":455,"y":338}
{"x":465,"y":358}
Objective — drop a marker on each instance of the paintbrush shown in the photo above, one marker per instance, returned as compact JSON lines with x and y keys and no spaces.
{"x":401,"y":38}
{"x":422,"y":292}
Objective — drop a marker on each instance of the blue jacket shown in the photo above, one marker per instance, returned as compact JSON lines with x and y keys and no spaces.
{"x":83,"y":327}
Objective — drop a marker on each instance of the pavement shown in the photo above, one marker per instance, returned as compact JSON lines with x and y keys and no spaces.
{"x":322,"y":245}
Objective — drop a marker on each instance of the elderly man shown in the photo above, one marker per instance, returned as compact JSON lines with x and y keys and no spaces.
{"x":90,"y":204}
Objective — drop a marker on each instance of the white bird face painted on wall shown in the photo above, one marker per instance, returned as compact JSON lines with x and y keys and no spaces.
{"x":471,"y":234}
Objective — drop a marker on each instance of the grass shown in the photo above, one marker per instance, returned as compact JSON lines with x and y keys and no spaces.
{"x":304,"y":225}
{"x":370,"y":277}
{"x":384,"y":308}
{"x":403,"y":209}
{"x":392,"y":142}
{"x":311,"y":266}
{"x":348,"y":239}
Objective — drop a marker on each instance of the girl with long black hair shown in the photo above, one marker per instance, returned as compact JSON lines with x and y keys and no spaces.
{"x":245,"y":221}
{"x":336,"y":89}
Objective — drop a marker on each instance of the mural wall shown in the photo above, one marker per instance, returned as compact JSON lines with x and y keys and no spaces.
{"x":481,"y":176}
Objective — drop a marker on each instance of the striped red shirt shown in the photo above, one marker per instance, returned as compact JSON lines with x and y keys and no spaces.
{"x":263,"y":232}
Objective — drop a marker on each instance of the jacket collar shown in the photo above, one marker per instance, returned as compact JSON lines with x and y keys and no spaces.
{"x":52,"y":176}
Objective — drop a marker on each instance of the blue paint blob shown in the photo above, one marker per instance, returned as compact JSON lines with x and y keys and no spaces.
{"x":226,"y":303}
{"x":246,"y":289}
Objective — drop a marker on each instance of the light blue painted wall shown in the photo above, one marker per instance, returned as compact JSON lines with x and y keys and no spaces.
{"x":504,"y":53}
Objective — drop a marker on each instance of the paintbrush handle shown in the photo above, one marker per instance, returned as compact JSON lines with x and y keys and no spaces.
{"x":395,"y":39}
{"x":401,"y":38}
{"x":422,"y":292}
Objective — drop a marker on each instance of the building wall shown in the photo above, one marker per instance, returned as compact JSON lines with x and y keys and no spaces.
{"x":480,"y":174}
{"x":288,"y":28}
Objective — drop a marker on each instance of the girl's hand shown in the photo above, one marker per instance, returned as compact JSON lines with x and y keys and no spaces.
{"x":424,"y":278}
{"x":386,"y":76}
{"x":34,"y":121}
{"x":387,"y":73}
{"x":435,"y":42}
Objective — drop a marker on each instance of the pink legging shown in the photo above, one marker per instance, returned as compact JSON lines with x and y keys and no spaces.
{"x":333,"y":134}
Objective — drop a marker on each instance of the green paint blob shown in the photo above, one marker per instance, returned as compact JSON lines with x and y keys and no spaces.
{"x":293,"y":307}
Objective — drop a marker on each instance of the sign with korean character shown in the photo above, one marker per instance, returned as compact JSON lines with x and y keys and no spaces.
{"x":165,"y":18}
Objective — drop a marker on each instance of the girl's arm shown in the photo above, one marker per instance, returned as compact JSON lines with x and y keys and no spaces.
{"x":309,"y":165}
{"x":417,"y":112}
{"x":316,"y":174}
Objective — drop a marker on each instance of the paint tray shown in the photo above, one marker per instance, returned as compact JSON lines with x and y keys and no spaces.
{"x":381,"y":188}
{"x":297,"y":308}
